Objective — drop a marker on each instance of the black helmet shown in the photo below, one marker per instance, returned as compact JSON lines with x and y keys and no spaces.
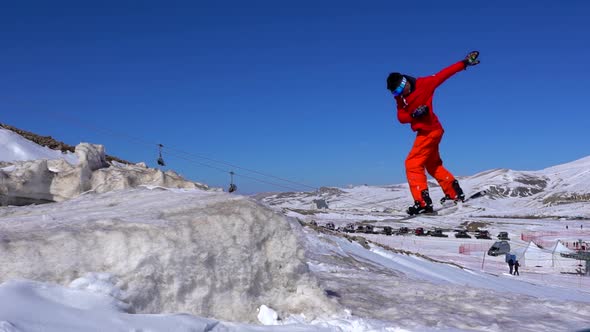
{"x":394,"y":80}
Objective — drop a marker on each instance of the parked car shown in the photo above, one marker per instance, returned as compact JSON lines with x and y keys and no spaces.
{"x":349,"y":228}
{"x":483,"y":235}
{"x":437,"y":232}
{"x":387,"y":230}
{"x":419,"y":231}
{"x":462,"y":234}
{"x":499,"y":248}
{"x":503,"y":236}
{"x":330,"y":226}
{"x":402,"y":230}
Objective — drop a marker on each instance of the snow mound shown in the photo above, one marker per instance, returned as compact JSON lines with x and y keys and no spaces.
{"x":17,"y":148}
{"x":169,"y":250}
{"x":7,"y":327}
{"x":42,"y":181}
{"x":34,"y":306}
{"x":102,"y":283}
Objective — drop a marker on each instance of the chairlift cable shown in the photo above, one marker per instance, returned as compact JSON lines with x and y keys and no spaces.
{"x":236,"y":174}
{"x":69,"y":118}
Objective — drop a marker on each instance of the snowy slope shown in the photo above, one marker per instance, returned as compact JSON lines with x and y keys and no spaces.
{"x":156,"y":259}
{"x":173,"y":250}
{"x":559,"y":191}
{"x":416,"y":292}
{"x":374,"y":289}
{"x":14,"y":147}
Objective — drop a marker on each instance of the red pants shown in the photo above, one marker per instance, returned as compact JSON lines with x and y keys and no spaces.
{"x":425,"y":155}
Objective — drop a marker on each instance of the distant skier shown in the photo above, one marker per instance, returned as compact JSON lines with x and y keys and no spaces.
{"x":516,"y":266}
{"x":414,"y":106}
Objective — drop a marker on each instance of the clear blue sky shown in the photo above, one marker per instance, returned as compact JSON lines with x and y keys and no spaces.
{"x":296,"y":89}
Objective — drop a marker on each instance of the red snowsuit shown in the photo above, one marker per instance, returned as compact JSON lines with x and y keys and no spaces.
{"x":424,"y":153}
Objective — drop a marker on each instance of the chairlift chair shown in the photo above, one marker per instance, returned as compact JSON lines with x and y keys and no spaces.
{"x":232,"y":186}
{"x":160,"y":159}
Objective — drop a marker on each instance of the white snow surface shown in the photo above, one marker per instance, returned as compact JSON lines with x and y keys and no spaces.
{"x":172,"y":250}
{"x":14,"y":147}
{"x":151,"y":258}
{"x":45,"y":180}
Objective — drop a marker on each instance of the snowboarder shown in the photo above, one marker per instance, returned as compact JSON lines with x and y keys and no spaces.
{"x":414,"y":106}
{"x":510,"y":265}
{"x":516,"y":265}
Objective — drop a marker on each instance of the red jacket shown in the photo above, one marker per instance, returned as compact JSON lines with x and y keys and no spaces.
{"x":422,"y":94}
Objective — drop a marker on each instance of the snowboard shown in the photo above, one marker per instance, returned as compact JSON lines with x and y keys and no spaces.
{"x":476,"y":195}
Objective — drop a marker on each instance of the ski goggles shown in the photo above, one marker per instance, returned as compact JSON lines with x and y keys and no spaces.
{"x":398,"y":91}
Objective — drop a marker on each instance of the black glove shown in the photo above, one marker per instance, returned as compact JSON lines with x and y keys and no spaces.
{"x":420,"y":111}
{"x":471,"y":59}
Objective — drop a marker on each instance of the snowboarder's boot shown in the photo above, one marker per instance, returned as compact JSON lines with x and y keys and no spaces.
{"x":421,"y":207}
{"x":460,"y":195}
{"x":445,"y":199}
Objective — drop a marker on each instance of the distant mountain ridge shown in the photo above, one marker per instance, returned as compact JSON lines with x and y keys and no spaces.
{"x":562,"y":190}
{"x":561,"y":184}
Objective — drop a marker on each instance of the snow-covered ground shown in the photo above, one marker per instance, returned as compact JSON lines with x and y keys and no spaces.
{"x":17,"y":148}
{"x":165,"y":259}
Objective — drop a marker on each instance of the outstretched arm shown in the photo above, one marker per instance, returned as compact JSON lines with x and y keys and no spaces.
{"x":443,"y":75}
{"x":446,"y":73}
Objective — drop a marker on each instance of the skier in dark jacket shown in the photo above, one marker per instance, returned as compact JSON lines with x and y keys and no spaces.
{"x":516,"y":265}
{"x":510,"y":265}
{"x":414,"y":106}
